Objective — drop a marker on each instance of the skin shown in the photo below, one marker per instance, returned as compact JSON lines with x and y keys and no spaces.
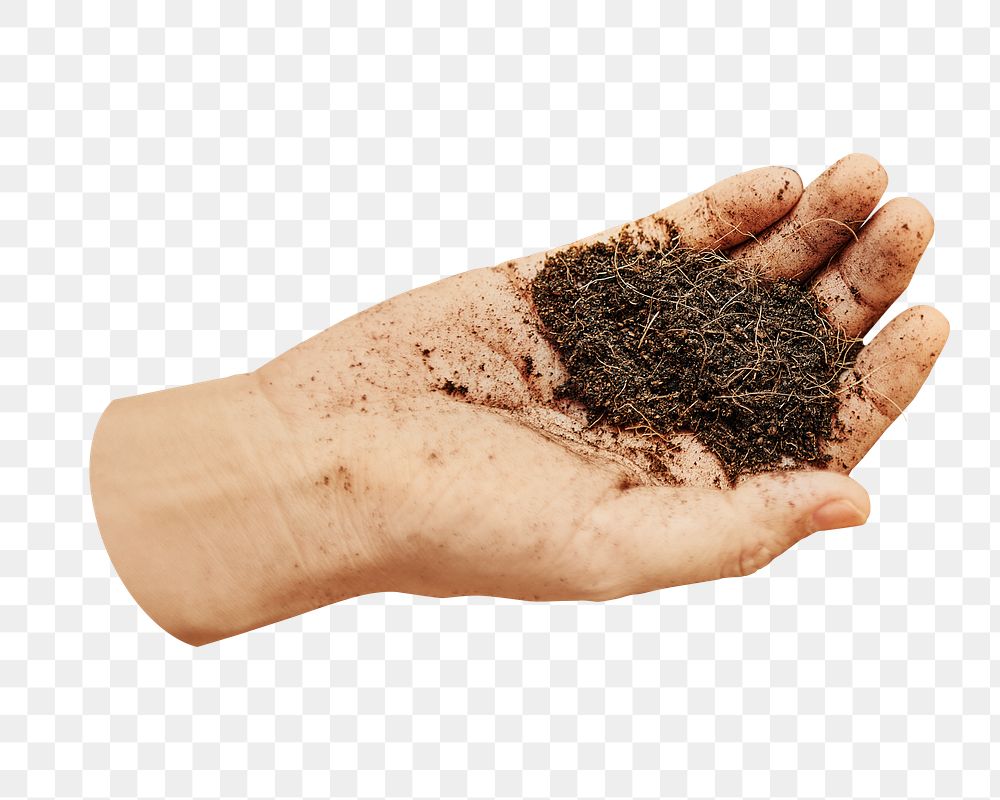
{"x":345,"y":467}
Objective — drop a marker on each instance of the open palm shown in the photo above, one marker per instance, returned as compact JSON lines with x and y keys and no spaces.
{"x":435,"y":413}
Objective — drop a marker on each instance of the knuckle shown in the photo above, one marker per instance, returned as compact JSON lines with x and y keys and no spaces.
{"x":600,"y":569}
{"x":600,"y":579}
{"x":751,"y":558}
{"x":602,"y":592}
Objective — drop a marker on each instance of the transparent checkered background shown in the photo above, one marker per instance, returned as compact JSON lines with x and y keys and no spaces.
{"x":186,"y":192}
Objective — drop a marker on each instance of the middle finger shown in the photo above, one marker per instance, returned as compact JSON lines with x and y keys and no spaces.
{"x":831,"y":209}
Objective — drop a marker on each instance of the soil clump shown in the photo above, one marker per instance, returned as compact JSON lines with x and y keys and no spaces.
{"x":659,"y":339}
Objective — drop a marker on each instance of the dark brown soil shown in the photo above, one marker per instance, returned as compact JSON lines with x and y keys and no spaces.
{"x":660,"y":340}
{"x":454,"y":388}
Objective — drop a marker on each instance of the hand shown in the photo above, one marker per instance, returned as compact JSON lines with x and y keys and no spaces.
{"x":474,"y":480}
{"x":418,"y":447}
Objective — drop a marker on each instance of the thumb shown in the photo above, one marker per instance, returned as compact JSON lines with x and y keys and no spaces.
{"x":775,"y":510}
{"x":668,"y":536}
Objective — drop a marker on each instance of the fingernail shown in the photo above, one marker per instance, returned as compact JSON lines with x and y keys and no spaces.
{"x":837,"y":514}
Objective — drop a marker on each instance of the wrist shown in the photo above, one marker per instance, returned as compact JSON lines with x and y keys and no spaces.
{"x":217,"y":513}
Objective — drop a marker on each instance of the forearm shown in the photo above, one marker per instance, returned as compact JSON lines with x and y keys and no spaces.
{"x":217,"y":514}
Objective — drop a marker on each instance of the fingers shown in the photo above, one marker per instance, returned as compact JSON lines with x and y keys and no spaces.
{"x":731,"y":211}
{"x":886,"y":377}
{"x":866,"y":277}
{"x":832,"y":207}
{"x":665,"y":536}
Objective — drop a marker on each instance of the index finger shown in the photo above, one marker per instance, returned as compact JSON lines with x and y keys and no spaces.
{"x":727,"y":213}
{"x":732,"y":211}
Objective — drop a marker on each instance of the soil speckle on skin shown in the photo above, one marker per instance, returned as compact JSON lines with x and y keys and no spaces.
{"x":453,"y":388}
{"x":659,"y":340}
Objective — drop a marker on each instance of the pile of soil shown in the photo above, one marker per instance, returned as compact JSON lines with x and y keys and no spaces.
{"x":659,"y":339}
